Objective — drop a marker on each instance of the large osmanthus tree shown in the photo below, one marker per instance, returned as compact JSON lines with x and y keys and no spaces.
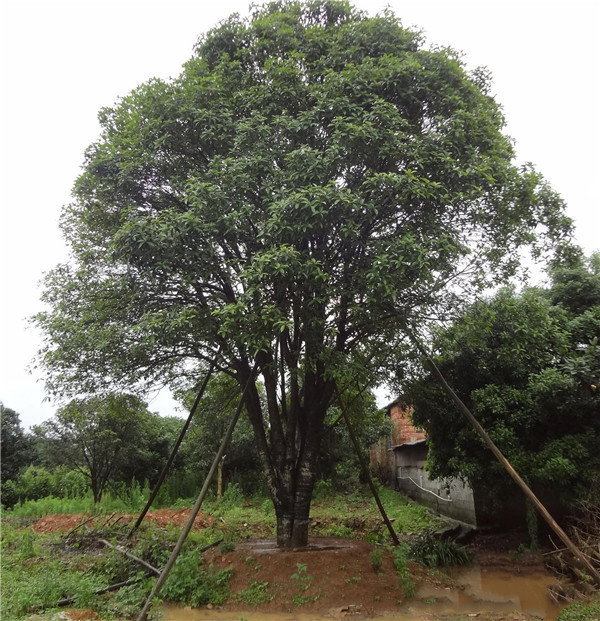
{"x":313,"y":178}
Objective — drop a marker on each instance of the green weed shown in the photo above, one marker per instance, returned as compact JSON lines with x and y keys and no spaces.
{"x":376,"y":558}
{"x":404,"y":576}
{"x":256,"y":594}
{"x":189,"y":583}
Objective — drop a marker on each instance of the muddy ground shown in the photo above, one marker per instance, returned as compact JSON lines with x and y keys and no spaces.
{"x":333,"y":578}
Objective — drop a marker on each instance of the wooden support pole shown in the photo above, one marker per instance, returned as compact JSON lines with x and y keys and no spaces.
{"x":169,"y":463}
{"x":507,"y":465}
{"x":365,"y":469}
{"x":188,"y":526}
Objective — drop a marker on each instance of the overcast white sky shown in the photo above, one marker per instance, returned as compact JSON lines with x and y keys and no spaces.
{"x":61,"y":61}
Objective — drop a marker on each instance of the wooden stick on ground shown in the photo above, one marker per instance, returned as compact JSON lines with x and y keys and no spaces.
{"x":133,"y":557}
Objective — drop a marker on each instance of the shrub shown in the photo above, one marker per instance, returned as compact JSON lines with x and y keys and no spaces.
{"x":189,"y":583}
{"x":433,"y":552}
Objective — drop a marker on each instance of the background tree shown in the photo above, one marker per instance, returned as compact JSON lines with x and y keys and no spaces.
{"x":17,"y":451}
{"x":527,"y":365}
{"x":95,"y":436}
{"x":16,"y":447}
{"x":312,"y":179}
{"x":208,"y":428}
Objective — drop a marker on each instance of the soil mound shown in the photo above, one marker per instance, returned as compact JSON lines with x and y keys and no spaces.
{"x":60,"y":522}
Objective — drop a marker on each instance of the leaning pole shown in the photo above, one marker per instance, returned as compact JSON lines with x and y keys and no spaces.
{"x":169,"y":463}
{"x":365,"y":468}
{"x":188,"y":526}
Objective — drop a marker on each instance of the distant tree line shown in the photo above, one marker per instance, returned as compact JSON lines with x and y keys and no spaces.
{"x":108,"y":443}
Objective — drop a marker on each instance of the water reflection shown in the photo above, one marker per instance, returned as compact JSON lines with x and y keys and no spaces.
{"x":495,"y":591}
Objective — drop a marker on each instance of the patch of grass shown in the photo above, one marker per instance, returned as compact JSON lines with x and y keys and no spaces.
{"x":301,"y":599}
{"x":339,"y":530}
{"x":256,"y":594}
{"x":226,"y":547}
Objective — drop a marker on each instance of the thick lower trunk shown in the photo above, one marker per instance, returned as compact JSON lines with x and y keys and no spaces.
{"x":293,"y":515}
{"x":292,"y":526}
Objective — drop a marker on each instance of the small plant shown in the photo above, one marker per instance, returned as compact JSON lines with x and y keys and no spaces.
{"x":300,"y":600}
{"x":430,"y":551}
{"x":226,"y":547}
{"x":404,"y":576}
{"x":256,"y":594}
{"x":252,"y":562}
{"x":353,"y":580}
{"x":303,"y":579}
{"x":376,"y":557}
{"x":304,"y":582}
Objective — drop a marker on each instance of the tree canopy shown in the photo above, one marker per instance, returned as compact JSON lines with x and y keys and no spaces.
{"x":96,"y":436}
{"x":313,"y":178}
{"x":528,"y":366}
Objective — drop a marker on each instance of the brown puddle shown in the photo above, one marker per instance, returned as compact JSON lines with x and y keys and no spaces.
{"x":485,"y":590}
{"x":493,"y":590}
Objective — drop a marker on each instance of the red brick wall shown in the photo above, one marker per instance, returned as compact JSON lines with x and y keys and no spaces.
{"x":403,"y":430}
{"x":382,"y":457}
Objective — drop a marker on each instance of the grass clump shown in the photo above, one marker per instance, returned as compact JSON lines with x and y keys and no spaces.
{"x":405,"y":578}
{"x":434,"y":552}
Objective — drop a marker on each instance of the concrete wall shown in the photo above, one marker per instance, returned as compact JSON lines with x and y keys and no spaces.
{"x":452,"y":499}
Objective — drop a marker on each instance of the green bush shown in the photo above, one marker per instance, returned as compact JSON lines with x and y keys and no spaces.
{"x":189,"y":583}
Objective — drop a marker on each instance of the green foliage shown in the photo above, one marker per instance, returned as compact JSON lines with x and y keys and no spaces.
{"x":257,"y":593}
{"x":28,"y":578}
{"x":95,"y":436}
{"x":16,"y":446}
{"x":581,"y":611}
{"x":405,"y":578}
{"x":525,"y":367}
{"x":190,"y":583}
{"x":376,"y":557}
{"x":432,"y":551}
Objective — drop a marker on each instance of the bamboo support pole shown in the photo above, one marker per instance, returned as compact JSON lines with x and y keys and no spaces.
{"x":176,"y":446}
{"x":188,"y":526}
{"x":365,"y":469}
{"x":507,"y":465}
